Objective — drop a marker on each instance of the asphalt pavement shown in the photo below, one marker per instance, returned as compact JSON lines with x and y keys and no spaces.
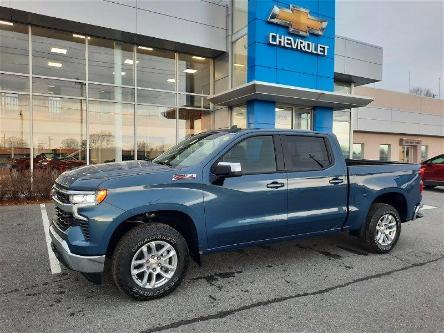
{"x":325,"y":284}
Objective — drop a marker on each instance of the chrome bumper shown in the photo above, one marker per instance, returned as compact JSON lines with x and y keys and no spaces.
{"x":418,"y":212}
{"x":84,"y":264}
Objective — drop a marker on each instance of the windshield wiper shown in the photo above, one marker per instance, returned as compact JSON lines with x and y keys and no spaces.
{"x":314,"y":159}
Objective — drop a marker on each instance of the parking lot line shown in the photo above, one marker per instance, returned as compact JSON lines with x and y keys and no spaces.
{"x":425,"y":207}
{"x":53,"y":262}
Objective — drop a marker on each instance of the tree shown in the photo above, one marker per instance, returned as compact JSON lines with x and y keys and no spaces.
{"x":70,"y":143}
{"x":426,"y":92}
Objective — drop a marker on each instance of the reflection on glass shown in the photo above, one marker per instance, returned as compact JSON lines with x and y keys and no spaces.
{"x":59,"y":133}
{"x":14,"y":83}
{"x":424,"y":152}
{"x":14,"y":48}
{"x":110,"y":62}
{"x":156,"y":97}
{"x":193,"y":101}
{"x":358,"y":151}
{"x":59,"y":87}
{"x":302,"y":119}
{"x":193,"y":121}
{"x":14,"y":132}
{"x":342,"y":87}
{"x":283,"y":115}
{"x":384,"y":153}
{"x":58,"y":54}
{"x":194,"y":74}
{"x":240,"y":61}
{"x":155,"y":68}
{"x":112,"y":93}
{"x":240,"y":9}
{"x":111,"y":132}
{"x":156,"y":130}
{"x":341,"y":128}
{"x":239,"y":117}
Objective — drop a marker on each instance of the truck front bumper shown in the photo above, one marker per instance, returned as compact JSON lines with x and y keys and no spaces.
{"x":84,"y":264}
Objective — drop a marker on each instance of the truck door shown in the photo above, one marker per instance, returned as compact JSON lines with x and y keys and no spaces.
{"x":253,"y":206}
{"x":317,"y":185}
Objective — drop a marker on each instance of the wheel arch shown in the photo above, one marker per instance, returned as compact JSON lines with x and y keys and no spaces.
{"x":395,"y":199}
{"x":176,"y":219}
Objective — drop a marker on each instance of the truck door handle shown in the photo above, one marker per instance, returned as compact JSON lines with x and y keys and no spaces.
{"x":275,"y":185}
{"x":336,"y":181}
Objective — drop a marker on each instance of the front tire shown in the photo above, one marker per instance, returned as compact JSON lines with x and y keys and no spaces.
{"x":382,"y":228}
{"x":150,"y":261}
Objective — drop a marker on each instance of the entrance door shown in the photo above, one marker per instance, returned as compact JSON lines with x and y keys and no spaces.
{"x":292,"y":117}
{"x":406,"y":154}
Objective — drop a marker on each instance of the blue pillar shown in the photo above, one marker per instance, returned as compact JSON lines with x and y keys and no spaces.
{"x":323,"y":119}
{"x":260,"y":114}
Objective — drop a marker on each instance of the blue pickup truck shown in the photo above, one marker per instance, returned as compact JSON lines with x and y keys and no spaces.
{"x":223,"y":190}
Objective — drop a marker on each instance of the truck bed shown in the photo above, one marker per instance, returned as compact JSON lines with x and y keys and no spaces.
{"x":351,"y":162}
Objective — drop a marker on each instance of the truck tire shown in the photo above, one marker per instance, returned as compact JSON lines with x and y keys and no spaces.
{"x":150,"y":261}
{"x":382,"y":228}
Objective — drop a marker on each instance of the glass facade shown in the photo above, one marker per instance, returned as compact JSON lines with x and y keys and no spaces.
{"x":384,"y":153}
{"x":288,"y":117}
{"x":68,"y":99}
{"x":239,"y":62}
{"x":358,"y":151}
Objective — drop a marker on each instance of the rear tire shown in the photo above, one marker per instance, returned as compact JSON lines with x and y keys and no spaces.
{"x":161,"y":255}
{"x":382,"y":228}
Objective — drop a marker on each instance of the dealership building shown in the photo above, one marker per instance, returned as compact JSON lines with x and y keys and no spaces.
{"x":100,"y":81}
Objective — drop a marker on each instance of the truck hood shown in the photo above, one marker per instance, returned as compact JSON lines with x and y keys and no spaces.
{"x":90,"y":177}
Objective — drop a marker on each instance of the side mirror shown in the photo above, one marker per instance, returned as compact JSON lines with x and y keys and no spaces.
{"x":227,"y":169}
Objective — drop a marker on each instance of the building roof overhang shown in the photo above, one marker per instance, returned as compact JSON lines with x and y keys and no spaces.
{"x":304,"y":97}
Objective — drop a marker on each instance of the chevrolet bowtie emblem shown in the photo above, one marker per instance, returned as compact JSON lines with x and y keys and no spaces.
{"x":298,"y":20}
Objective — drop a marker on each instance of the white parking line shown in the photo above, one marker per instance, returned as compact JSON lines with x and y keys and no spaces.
{"x":425,"y":207}
{"x":53,"y":262}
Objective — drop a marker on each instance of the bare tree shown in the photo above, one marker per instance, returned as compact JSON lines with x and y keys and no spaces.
{"x":426,"y":92}
{"x":70,"y":143}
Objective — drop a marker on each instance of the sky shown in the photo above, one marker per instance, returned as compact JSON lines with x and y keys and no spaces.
{"x":410,"y":32}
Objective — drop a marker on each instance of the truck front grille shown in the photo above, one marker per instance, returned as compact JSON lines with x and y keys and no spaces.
{"x":61,"y":196}
{"x":64,"y":220}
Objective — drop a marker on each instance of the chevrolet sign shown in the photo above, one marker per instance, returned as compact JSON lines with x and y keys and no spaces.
{"x":297,"y":44}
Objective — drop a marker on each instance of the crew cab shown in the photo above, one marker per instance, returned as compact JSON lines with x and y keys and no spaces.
{"x":223,"y":190}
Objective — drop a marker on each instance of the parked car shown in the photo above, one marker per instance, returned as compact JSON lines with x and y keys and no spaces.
{"x":223,"y":190}
{"x":47,"y":162}
{"x":432,"y":171}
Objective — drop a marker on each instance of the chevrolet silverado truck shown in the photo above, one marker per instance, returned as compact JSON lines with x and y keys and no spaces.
{"x":223,"y":190}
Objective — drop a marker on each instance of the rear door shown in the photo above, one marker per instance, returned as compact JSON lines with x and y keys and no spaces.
{"x":317,"y":184}
{"x":253,"y":206}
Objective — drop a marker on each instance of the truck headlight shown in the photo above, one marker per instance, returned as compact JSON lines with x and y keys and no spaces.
{"x":93,"y":198}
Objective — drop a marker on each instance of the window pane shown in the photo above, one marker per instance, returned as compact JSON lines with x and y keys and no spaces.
{"x":111,"y":93}
{"x":59,"y":133}
{"x":156,"y":130}
{"x":341,"y":128}
{"x":14,"y":83}
{"x":58,"y":54}
{"x":240,"y":61}
{"x":240,"y":9}
{"x":306,"y":153}
{"x":14,"y":48}
{"x":110,"y":62}
{"x":193,"y":101}
{"x":239,"y":117}
{"x":192,"y":121}
{"x":256,"y":155}
{"x":424,"y":152}
{"x":384,"y":152}
{"x":155,"y":68}
{"x":111,"y":132}
{"x":358,"y":151}
{"x":14,"y":132}
{"x":342,"y":87}
{"x":302,"y":120}
{"x":194,"y":74}
{"x":283,"y":116}
{"x":155,"y":97}
{"x":58,"y":87}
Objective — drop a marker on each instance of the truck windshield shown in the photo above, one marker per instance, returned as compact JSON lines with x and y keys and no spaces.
{"x":193,"y":150}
